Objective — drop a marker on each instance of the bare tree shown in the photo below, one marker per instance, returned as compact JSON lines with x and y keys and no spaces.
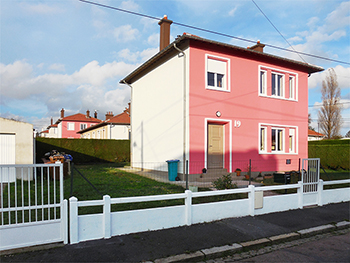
{"x":309,"y":122}
{"x":329,"y":116}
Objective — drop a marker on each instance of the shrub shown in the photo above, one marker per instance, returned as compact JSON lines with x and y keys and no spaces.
{"x":225,"y":182}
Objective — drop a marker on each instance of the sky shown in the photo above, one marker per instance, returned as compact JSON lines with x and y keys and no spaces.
{"x":69,"y":54}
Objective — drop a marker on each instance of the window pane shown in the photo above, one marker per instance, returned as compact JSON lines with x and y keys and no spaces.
{"x":280,"y":140}
{"x":291,"y":87}
{"x":262,"y":139}
{"x":273,"y":140}
{"x":211,"y":79}
{"x":262,"y":82}
{"x":280,"y":85}
{"x":220,"y":79}
{"x":273,"y":84}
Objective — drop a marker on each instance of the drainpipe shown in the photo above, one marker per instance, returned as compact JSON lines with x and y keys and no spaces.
{"x":182,"y":54}
{"x":131,"y":134}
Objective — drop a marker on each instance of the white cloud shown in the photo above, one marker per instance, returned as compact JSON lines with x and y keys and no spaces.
{"x":40,"y":8}
{"x":137,"y":56}
{"x":57,"y":67}
{"x":130,"y":5}
{"x":153,"y":39}
{"x":343,"y":77}
{"x":125,"y":33}
{"x":232,"y":11}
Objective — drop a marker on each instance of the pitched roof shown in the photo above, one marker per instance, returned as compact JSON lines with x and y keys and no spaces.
{"x":183,"y":42}
{"x":80,"y":117}
{"x":315,"y":134}
{"x":120,"y":119}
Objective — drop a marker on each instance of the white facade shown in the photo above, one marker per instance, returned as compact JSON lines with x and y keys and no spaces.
{"x":119,"y":132}
{"x":20,"y":145}
{"x":157,"y":114}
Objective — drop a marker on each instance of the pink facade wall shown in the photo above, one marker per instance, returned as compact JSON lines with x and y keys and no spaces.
{"x":243,"y":103}
{"x":73,"y":133}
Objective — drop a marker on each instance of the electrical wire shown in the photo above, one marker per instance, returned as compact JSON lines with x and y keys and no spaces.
{"x":278,"y":30}
{"x":214,"y":32}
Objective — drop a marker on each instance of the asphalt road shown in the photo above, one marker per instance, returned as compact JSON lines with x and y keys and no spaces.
{"x":330,"y":247}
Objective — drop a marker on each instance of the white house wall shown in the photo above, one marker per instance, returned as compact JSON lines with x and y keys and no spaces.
{"x":157,"y":116}
{"x":120,"y":132}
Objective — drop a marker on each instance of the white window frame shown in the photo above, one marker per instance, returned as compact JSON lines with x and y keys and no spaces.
{"x":292,"y":88}
{"x":269,"y":71}
{"x":279,"y":84}
{"x":69,"y":126}
{"x":226,"y":79}
{"x":83,"y":126}
{"x":285,"y":147}
{"x":263,"y":82}
{"x":262,"y":139}
{"x":291,"y":140}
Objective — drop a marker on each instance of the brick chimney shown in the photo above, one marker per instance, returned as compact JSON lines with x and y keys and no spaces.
{"x":164,"y":32}
{"x":51,"y":121}
{"x":109,"y":115}
{"x":62,"y":113}
{"x":258,"y":47}
{"x":95,"y":114}
{"x":87,"y":114}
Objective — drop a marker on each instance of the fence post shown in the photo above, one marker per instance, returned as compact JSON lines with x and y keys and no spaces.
{"x":64,"y":221}
{"x":320,"y":192}
{"x":73,"y":220}
{"x":251,"y":197}
{"x":300,"y":194}
{"x":188,"y":207}
{"x":106,"y":216}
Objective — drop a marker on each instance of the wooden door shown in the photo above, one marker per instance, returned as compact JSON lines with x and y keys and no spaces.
{"x":215,"y":146}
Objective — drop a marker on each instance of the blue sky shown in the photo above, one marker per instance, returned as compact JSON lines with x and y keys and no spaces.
{"x":68,"y":54}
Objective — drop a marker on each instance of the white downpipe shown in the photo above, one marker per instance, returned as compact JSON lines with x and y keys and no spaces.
{"x":184,"y":112}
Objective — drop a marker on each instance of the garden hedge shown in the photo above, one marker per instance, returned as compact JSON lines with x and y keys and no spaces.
{"x":86,"y":150}
{"x":334,"y":154}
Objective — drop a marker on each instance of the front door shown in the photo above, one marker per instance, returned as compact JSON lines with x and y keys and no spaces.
{"x":215,"y":146}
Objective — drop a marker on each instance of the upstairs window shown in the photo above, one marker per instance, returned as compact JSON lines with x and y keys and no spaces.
{"x":83,"y":126}
{"x":292,"y":87}
{"x":217,"y":73}
{"x":277,"y":87}
{"x":70,"y":126}
{"x":262,"y":81}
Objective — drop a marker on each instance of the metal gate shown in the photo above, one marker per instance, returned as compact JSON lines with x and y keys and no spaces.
{"x":310,"y":177}
{"x":32,"y":209}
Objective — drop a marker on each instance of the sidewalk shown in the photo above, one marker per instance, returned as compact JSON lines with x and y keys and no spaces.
{"x":198,"y":242}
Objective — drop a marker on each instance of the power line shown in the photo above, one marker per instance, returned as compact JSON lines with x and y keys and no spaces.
{"x":213,"y":32}
{"x":277,"y":30}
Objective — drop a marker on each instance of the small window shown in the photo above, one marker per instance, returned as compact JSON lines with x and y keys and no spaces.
{"x":291,"y":140}
{"x":277,"y":86}
{"x":277,"y":140}
{"x":263,"y":82}
{"x":216,"y":71}
{"x":263,"y":139}
{"x":291,"y":87}
{"x":70,"y":126}
{"x":83,"y":126}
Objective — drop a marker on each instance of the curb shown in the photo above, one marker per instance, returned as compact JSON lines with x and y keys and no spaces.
{"x":216,"y":252}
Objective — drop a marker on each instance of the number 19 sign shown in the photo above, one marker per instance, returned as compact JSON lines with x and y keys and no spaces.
{"x":237,"y":124}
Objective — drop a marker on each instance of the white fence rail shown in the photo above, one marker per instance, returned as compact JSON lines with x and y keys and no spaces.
{"x":107,"y":224}
{"x":32,"y":209}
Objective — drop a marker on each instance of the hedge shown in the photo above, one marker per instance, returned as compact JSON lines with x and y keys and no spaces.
{"x":86,"y":150}
{"x":334,"y":154}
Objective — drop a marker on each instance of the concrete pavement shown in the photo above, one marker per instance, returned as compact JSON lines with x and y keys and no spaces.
{"x":198,"y":242}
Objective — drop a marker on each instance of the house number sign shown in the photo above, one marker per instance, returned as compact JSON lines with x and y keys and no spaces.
{"x":237,"y":124}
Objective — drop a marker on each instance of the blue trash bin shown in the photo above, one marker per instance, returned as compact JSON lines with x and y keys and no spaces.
{"x":172,"y":169}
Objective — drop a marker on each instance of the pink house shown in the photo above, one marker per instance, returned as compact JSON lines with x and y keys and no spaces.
{"x":218,"y":105}
{"x":68,"y":127}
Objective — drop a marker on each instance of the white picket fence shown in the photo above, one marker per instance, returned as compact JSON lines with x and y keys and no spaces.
{"x":107,"y":224}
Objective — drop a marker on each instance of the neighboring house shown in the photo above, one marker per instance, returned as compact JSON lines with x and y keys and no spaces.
{"x":16,"y":144}
{"x":68,"y":127}
{"x":313,"y":136}
{"x":51,"y":131}
{"x":117,"y":128}
{"x":214,"y":104}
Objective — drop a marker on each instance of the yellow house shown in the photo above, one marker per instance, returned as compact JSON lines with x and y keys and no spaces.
{"x":114,"y":127}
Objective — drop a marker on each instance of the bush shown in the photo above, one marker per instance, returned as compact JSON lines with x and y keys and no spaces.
{"x":225,"y":182}
{"x":86,"y":150}
{"x":334,"y":154}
